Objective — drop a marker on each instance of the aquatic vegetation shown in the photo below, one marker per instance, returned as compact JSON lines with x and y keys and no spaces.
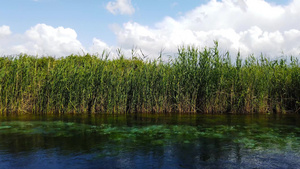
{"x":251,"y":137}
{"x":156,"y":141}
{"x":196,"y":81}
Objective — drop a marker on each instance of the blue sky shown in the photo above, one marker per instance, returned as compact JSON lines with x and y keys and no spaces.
{"x":89,"y":18}
{"x":62,"y":27}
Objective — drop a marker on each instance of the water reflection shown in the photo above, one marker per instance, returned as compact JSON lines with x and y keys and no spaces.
{"x":195,"y":141}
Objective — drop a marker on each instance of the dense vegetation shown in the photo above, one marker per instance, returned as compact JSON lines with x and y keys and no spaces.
{"x":197,"y":80}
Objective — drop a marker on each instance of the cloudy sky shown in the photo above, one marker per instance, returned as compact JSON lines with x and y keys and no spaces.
{"x":63,"y":27}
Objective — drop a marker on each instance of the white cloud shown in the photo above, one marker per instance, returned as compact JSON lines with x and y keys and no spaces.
{"x":99,"y":46}
{"x":4,"y":31}
{"x":123,"y":7}
{"x":251,"y":26}
{"x":42,"y":40}
{"x":242,"y":4}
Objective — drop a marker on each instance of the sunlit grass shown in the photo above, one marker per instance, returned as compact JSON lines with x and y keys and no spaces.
{"x":197,"y":81}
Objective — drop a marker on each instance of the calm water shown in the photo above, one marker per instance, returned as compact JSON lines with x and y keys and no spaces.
{"x":190,"y":141}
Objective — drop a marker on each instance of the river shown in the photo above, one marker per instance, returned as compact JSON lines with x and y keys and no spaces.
{"x":149,"y":141}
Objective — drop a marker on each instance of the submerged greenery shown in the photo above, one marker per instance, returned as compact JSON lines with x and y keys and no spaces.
{"x":203,"y":81}
{"x":252,"y":137}
{"x":150,"y":141}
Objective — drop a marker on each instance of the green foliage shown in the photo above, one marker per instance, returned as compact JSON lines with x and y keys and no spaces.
{"x":197,"y":80}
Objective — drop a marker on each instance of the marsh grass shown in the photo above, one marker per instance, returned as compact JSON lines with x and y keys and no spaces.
{"x":197,"y":81}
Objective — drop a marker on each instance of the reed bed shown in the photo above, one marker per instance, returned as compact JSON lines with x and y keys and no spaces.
{"x":197,"y":81}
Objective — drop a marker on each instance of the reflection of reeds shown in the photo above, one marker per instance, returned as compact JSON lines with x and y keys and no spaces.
{"x":196,"y":81}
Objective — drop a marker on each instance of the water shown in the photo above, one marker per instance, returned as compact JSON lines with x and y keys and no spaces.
{"x":148,"y":141}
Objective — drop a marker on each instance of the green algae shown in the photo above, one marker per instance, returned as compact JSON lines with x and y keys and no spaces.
{"x":252,"y":137}
{"x":5,"y":127}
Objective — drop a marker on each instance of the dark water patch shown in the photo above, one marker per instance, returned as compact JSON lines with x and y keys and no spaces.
{"x":195,"y":141}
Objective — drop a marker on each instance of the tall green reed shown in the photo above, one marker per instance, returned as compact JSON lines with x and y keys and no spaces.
{"x":196,"y":81}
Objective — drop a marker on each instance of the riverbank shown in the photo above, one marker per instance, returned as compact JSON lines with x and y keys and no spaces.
{"x":197,"y":81}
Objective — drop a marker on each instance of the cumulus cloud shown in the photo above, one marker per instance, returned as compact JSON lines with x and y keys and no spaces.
{"x":47,"y":39}
{"x":251,"y":26}
{"x":41,"y":40}
{"x":99,"y":46}
{"x":4,"y":31}
{"x":123,"y":7}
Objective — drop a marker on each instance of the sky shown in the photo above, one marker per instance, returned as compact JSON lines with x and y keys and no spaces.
{"x":63,"y":27}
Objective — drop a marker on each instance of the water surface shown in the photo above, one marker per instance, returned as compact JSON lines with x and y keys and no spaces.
{"x":150,"y":141}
